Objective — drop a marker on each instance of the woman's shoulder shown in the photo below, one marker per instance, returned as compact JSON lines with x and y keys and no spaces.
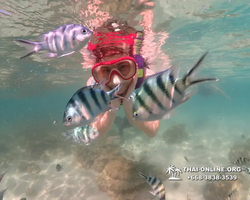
{"x":149,"y":72}
{"x":91,"y":81}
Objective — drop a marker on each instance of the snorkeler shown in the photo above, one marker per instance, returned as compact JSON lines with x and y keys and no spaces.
{"x":116,"y":47}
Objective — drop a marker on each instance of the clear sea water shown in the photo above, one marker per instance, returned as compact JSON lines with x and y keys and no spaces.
{"x":34,"y":92}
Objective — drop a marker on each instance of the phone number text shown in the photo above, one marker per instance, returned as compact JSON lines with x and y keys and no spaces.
{"x":213,"y":177}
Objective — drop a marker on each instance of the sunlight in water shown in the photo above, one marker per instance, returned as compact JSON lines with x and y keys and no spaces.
{"x":211,"y":129}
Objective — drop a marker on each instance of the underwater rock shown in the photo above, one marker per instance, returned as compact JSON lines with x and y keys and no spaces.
{"x":30,"y":192}
{"x":118,"y":176}
{"x":218,"y":190}
{"x":175,"y":134}
{"x":96,"y":155}
{"x":129,"y":155}
{"x":240,"y":149}
{"x":120,"y":179}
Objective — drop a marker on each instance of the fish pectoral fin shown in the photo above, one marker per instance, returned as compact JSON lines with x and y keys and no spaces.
{"x":101,"y":84}
{"x":174,"y":70}
{"x":49,"y":55}
{"x":66,"y":54}
{"x":169,"y":114}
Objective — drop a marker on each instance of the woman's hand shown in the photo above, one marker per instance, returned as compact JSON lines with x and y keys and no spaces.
{"x":114,"y":103}
{"x":131,"y":87}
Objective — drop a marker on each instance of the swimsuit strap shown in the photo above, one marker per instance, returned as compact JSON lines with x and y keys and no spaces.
{"x":138,"y":58}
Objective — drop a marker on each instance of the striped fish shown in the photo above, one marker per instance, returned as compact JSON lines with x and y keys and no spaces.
{"x":247,"y":170}
{"x":156,"y":184}
{"x":87,"y":103}
{"x":162,"y":92}
{"x":232,"y":195}
{"x":241,"y":161}
{"x":59,"y":42}
{"x":84,"y":134}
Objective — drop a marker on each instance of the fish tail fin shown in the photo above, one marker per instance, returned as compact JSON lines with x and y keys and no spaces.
{"x":142,"y":175}
{"x":114,"y":93}
{"x":31,"y":47}
{"x":189,"y":79}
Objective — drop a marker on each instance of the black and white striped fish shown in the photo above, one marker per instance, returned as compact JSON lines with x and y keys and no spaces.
{"x":247,"y":170}
{"x":59,"y":42}
{"x":162,"y":92}
{"x":232,"y":195}
{"x":241,"y":161}
{"x":156,"y":184}
{"x":85,"y":134}
{"x":87,"y":103}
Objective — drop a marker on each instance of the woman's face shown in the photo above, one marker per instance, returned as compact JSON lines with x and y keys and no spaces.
{"x":124,"y":69}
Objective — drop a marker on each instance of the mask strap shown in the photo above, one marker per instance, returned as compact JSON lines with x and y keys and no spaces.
{"x":138,"y":58}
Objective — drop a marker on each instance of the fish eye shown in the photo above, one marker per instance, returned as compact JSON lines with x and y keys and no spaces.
{"x":84,"y":31}
{"x":69,"y":119}
{"x":136,"y":114}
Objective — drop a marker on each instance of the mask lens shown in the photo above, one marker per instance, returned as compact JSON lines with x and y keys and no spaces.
{"x":124,"y":68}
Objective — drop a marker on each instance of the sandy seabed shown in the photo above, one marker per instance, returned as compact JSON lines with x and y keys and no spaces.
{"x":211,"y":146}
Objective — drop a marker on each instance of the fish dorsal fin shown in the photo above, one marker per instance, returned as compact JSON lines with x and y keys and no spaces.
{"x":174,"y":70}
{"x":97,"y":86}
{"x":155,"y":75}
{"x":41,"y":38}
{"x":82,"y":89}
{"x":101,"y":84}
{"x":133,"y":94}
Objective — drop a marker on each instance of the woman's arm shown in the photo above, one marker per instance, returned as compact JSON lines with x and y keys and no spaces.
{"x":149,"y":128}
{"x":106,"y":120}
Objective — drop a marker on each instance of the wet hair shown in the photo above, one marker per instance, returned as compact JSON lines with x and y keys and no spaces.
{"x":116,"y":46}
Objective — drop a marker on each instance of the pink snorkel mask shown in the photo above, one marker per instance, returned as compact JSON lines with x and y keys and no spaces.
{"x":122,"y":68}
